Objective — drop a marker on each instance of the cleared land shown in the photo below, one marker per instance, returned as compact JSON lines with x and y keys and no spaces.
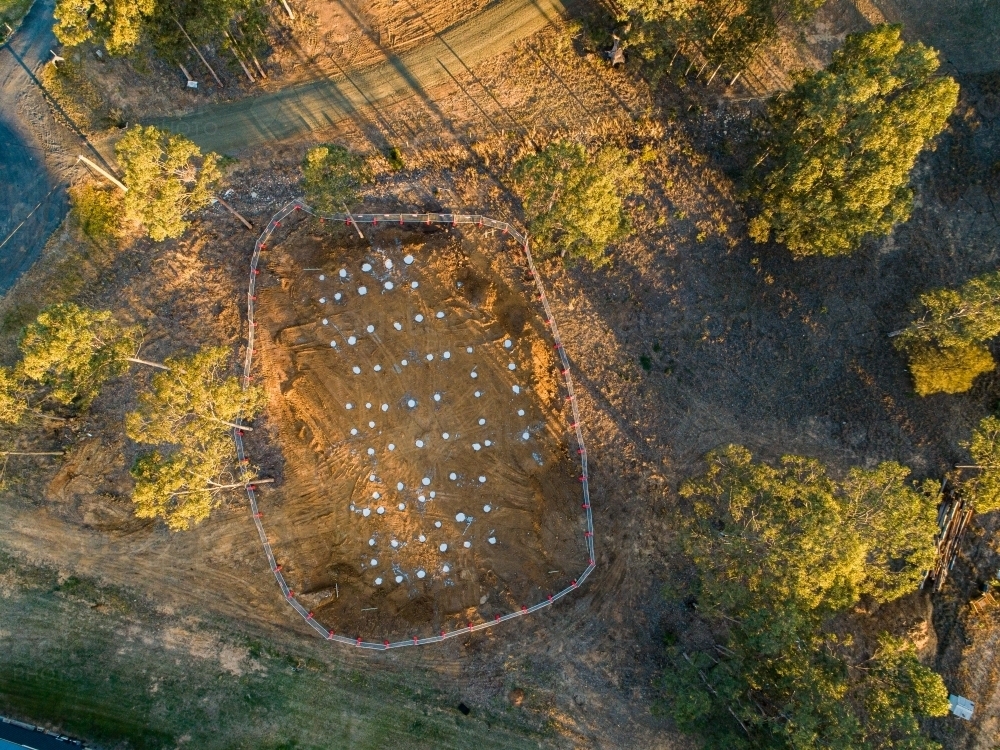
{"x":428,"y":481}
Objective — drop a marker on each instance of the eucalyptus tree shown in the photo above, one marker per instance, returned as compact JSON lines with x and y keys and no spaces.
{"x":573,"y":200}
{"x":840,"y":145}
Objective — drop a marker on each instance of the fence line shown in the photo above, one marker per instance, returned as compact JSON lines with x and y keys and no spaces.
{"x":401,"y":219}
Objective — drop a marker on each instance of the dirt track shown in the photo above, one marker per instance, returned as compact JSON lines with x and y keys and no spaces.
{"x":312,"y":106}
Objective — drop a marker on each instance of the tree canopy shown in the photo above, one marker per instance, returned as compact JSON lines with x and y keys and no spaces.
{"x":164,"y":179}
{"x":117,"y":23}
{"x":331,"y":177}
{"x":74,"y":350}
{"x":122,"y":25}
{"x":727,"y":33}
{"x":982,"y":488}
{"x":840,"y":145}
{"x":188,"y":413}
{"x":808,"y":537}
{"x":573,"y":200}
{"x":182,"y":488}
{"x":945,"y":342}
{"x":777,"y":552}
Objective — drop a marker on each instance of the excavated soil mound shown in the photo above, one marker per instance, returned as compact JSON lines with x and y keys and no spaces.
{"x":428,"y":477}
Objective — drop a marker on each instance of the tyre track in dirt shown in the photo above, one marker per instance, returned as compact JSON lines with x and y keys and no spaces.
{"x":321,"y":103}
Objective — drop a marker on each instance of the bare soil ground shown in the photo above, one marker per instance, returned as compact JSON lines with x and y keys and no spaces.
{"x":427,"y":476}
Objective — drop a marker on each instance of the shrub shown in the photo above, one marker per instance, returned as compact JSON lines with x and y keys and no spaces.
{"x":332,"y":177}
{"x":98,"y":210}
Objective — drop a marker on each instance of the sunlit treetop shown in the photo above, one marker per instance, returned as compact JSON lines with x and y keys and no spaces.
{"x":842,"y":142}
{"x":167,"y":177}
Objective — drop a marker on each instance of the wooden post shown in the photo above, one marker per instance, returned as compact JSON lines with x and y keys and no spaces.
{"x":257,"y":63}
{"x":239,"y":59}
{"x":235,"y":213}
{"x":101,"y":172}
{"x":351,"y":218}
{"x":217,"y":79}
{"x":35,"y":453}
{"x":231,"y":424}
{"x":289,"y":10}
{"x":147,"y":362}
{"x":185,"y":72}
{"x":233,"y":486}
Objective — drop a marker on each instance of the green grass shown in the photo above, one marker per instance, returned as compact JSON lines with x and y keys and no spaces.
{"x":11,"y":12}
{"x":92,"y":661}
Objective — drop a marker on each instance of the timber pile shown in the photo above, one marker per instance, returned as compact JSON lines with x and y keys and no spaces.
{"x":953,"y":519}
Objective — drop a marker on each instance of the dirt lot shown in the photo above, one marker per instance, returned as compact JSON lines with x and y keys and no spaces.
{"x":427,"y":475}
{"x":693,"y":337}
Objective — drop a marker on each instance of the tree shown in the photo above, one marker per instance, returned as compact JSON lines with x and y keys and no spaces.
{"x":805,"y":536}
{"x":573,"y":200}
{"x":945,"y":341}
{"x":117,"y":23}
{"x":73,"y":25}
{"x":656,"y":27}
{"x":777,"y":552}
{"x":897,"y":690}
{"x":950,"y":370}
{"x":192,"y":400}
{"x":74,"y":350}
{"x":950,"y":317}
{"x":207,"y":22}
{"x":983,"y":489}
{"x":188,"y":412}
{"x":331,"y":177}
{"x":121,"y":25}
{"x":180,"y":489}
{"x":727,"y":33}
{"x":895,"y":522}
{"x":840,"y":145}
{"x":164,"y":180}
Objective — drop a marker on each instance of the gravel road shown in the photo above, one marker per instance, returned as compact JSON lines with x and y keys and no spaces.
{"x":34,"y":150}
{"x":225,"y":128}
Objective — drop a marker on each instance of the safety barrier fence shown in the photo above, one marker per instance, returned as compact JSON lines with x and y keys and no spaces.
{"x":400,"y":219}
